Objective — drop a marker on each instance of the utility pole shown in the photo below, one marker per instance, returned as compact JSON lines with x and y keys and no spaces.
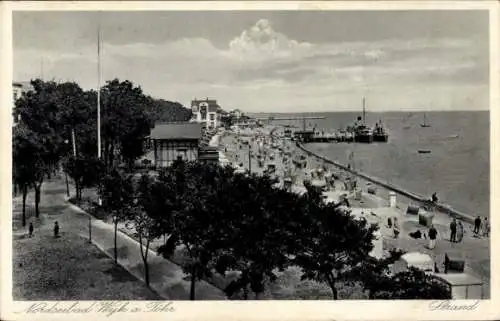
{"x":249,"y":159}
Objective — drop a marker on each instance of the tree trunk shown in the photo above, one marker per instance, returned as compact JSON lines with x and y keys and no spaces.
{"x":257,"y":295}
{"x":25,"y":194}
{"x":111,"y":154}
{"x":37,"y":199}
{"x":67,"y":184}
{"x":193,"y":283}
{"x":116,"y":249}
{"x":331,"y":283}
{"x":145,"y":259}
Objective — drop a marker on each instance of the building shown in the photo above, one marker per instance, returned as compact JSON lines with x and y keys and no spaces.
{"x":236,"y":113}
{"x":173,"y":141}
{"x":206,"y":112}
{"x":18,"y":89}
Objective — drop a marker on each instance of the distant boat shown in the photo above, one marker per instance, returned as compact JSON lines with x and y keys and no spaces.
{"x":407,"y":127}
{"x":424,"y":151}
{"x":362,"y":133}
{"x":425,"y":124}
{"x":379,"y":133}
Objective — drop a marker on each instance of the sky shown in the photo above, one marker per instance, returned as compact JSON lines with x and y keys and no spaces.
{"x":269,"y":61}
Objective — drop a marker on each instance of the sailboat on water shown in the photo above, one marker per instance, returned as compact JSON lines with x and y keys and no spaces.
{"x":425,"y":123}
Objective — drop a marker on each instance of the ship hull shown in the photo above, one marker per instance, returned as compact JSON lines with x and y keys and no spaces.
{"x":363,"y":138}
{"x":381,"y":138}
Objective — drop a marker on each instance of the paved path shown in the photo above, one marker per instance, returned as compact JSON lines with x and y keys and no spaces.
{"x":166,"y":278}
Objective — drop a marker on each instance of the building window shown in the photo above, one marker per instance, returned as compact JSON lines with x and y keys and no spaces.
{"x":212,"y":117}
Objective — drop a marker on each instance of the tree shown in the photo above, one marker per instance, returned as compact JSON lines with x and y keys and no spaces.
{"x":375,"y":273}
{"x":193,"y":219}
{"x":24,"y":161}
{"x":255,"y":242}
{"x":413,"y":284}
{"x":117,"y":194}
{"x":125,"y":121}
{"x":332,"y":244}
{"x":145,"y":216}
{"x":167,"y":111}
{"x":85,"y":171}
{"x":40,"y":120}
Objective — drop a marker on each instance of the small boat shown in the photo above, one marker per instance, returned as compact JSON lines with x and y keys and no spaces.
{"x":424,"y":151}
{"x":425,"y":124}
{"x":379,"y":133}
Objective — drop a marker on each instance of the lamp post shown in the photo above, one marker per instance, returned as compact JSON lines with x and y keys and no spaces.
{"x":66,"y":174}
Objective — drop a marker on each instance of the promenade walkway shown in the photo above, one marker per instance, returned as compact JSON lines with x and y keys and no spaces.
{"x":166,"y":278}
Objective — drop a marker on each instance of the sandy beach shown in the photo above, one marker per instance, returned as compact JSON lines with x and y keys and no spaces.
{"x":241,"y":150}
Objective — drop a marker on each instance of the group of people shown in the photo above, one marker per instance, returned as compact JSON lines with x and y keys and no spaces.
{"x":481,"y":227}
{"x":31,"y":229}
{"x":394,"y":224}
{"x":456,"y":231}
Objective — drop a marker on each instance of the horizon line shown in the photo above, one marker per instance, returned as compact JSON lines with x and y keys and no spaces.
{"x":368,"y":112}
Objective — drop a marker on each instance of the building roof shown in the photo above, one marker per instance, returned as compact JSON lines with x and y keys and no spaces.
{"x":459,"y":279}
{"x":212,"y":104}
{"x":174,"y":131}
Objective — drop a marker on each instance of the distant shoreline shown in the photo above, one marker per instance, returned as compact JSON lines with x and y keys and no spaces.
{"x":372,"y":112}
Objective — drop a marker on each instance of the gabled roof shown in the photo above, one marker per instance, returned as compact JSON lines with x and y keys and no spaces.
{"x":171,"y":131}
{"x":212,"y":104}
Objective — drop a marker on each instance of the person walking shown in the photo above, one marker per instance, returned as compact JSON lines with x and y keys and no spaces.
{"x":486,"y":227}
{"x":432,"y":237}
{"x":56,"y":229}
{"x":460,"y":231}
{"x":453,"y":231}
{"x":477,"y":226}
{"x":31,"y":229}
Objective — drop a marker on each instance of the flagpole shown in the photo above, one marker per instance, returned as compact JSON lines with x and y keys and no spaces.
{"x":98,"y":106}
{"x":98,"y":91}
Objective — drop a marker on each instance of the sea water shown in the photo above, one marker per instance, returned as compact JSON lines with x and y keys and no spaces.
{"x":457,"y":167}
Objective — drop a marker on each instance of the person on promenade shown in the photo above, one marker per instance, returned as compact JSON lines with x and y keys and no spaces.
{"x":432,"y":237}
{"x":434,"y":198}
{"x":477,"y":226}
{"x":395,"y":228}
{"x":31,"y":229}
{"x":486,"y":227}
{"x":453,"y":231}
{"x":460,"y":231}
{"x":56,"y":229}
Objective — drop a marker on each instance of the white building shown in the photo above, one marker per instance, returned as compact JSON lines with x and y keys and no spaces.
{"x":206,"y":112}
{"x":18,"y":89}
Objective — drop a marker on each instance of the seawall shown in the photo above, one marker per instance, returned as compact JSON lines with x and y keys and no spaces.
{"x":444,"y":208}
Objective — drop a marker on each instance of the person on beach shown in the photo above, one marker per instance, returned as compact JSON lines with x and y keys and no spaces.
{"x":453,"y":231}
{"x":460,"y":232}
{"x":486,"y":227}
{"x":434,"y":198}
{"x":56,"y":229}
{"x":477,"y":226}
{"x":31,"y":229}
{"x":432,"y":237}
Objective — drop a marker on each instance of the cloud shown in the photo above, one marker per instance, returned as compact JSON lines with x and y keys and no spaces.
{"x":263,"y":68}
{"x":262,"y":41}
